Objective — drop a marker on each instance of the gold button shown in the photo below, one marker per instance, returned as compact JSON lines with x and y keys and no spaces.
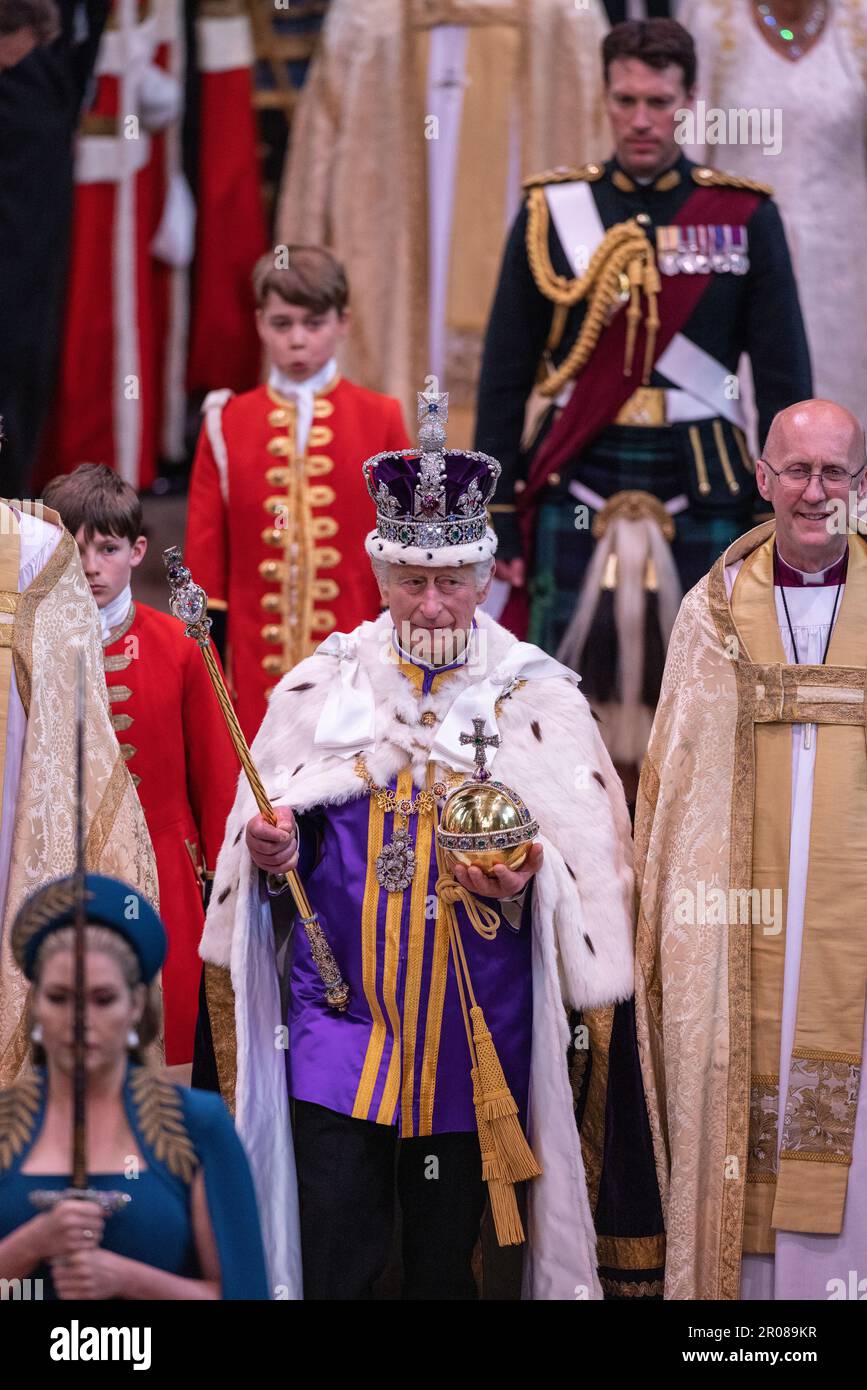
{"x":272,"y":569}
{"x":554,"y":480}
{"x":276,"y":506}
{"x":272,"y":632}
{"x":428,"y":719}
{"x":322,"y":408}
{"x":322,"y":620}
{"x":322,"y":527}
{"x":280,"y":446}
{"x":326,"y":557}
{"x":325,"y":588}
{"x":318,"y":465}
{"x":593,"y":169}
{"x":320,"y":495}
{"x":272,"y":665}
{"x":319,"y":435}
{"x":271,"y":602}
{"x":643,"y":219}
{"x":276,"y":536}
{"x":277,"y":477}
{"x":281,"y":417}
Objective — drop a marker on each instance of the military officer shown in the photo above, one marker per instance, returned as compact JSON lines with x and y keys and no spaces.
{"x":627,"y":295}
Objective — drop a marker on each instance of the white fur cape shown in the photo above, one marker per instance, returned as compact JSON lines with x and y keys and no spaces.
{"x":552,"y":754}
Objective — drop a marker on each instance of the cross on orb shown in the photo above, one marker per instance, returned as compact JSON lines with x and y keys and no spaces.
{"x":480,"y":742}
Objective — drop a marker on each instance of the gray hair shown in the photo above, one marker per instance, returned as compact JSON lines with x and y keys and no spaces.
{"x":481,"y":569}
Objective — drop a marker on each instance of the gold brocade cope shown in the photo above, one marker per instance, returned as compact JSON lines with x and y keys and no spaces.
{"x":10,"y":561}
{"x":481,"y":180}
{"x":808,"y":1191}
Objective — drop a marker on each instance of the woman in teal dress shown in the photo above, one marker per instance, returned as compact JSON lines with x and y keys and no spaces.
{"x":178,"y":1217}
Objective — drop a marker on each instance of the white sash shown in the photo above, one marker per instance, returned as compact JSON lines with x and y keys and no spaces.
{"x":701,"y":379}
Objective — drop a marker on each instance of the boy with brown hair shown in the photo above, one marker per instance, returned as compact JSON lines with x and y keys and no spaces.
{"x":277,"y":498}
{"x":169,"y":725}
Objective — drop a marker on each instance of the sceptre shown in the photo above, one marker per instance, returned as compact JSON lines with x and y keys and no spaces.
{"x":188,"y":602}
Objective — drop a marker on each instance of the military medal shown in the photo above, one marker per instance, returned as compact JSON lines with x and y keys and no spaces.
{"x":719,"y":256}
{"x":686,"y":254}
{"x":739,"y":261}
{"x":702,"y":259}
{"x":666,"y":250}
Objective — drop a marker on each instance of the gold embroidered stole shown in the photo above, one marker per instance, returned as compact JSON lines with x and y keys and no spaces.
{"x":10,"y":564}
{"x":808,"y":1191}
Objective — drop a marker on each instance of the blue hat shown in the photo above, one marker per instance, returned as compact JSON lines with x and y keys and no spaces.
{"x":108,"y":902}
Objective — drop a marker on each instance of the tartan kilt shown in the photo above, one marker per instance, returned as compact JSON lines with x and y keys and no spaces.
{"x":667,"y":462}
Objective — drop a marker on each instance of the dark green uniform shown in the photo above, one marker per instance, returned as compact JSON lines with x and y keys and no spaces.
{"x":756,"y":313}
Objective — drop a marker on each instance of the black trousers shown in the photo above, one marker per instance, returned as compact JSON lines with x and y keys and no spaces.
{"x":347,"y":1170}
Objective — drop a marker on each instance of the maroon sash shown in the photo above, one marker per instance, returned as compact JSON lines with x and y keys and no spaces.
{"x":601,"y":388}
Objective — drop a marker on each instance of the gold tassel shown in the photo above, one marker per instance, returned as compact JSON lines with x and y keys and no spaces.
{"x":633,"y":315}
{"x":652,"y":289}
{"x":506,"y":1156}
{"x":496,"y":1105}
{"x":501,"y":1192}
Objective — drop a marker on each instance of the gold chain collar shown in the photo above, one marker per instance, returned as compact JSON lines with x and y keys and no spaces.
{"x":386,"y":799}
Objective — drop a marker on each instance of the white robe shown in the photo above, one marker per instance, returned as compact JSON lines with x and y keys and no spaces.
{"x":807,"y":1266}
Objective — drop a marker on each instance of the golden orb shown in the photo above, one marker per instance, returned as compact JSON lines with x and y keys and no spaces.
{"x":484,"y":823}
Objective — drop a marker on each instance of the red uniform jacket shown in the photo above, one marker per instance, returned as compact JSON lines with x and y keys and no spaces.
{"x":182,"y":761}
{"x":278,"y":540}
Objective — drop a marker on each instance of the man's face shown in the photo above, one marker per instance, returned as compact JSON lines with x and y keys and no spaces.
{"x":432,"y":609}
{"x":108,"y":563}
{"x":642,"y":105}
{"x":808,"y":513}
{"x":299,"y":341}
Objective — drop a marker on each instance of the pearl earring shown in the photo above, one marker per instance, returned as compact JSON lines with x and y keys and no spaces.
{"x":132,"y":1038}
{"x":36,"y":1033}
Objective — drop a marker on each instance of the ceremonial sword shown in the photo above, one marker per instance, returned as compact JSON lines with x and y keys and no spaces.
{"x":44,"y":1200}
{"x":189,"y":603}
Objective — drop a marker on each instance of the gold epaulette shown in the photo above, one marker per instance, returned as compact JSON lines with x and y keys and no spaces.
{"x":589,"y":173}
{"x":718,"y":178}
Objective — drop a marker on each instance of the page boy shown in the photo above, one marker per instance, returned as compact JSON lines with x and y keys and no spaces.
{"x":278,"y":508}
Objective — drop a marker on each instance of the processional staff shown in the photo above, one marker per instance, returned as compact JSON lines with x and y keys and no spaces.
{"x":189,"y":603}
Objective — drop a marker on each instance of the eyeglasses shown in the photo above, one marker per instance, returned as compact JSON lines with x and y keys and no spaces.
{"x":797,"y":475}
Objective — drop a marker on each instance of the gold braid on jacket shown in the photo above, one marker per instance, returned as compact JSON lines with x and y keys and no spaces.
{"x":623,"y":254}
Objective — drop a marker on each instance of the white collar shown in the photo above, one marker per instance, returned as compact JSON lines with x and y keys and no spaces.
{"x":114,"y":613}
{"x":429,"y":666}
{"x":308,"y":387}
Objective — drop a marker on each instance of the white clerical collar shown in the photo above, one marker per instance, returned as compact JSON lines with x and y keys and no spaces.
{"x":308,"y":387}
{"x":114,"y":613}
